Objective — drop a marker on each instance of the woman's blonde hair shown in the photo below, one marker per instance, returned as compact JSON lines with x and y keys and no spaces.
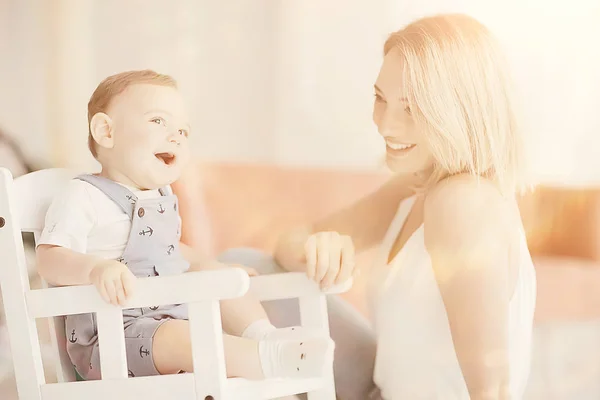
{"x":459,"y":90}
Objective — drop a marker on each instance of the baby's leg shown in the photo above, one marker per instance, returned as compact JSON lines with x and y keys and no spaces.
{"x":172,"y":350}
{"x":239,"y":313}
{"x":287,"y":353}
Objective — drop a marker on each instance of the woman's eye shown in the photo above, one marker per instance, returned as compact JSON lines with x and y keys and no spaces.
{"x":158,"y":121}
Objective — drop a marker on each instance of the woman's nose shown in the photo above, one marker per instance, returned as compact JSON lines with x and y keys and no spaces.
{"x":387,"y":124}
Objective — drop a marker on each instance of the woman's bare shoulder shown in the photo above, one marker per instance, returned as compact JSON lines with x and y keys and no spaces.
{"x":463,"y":210}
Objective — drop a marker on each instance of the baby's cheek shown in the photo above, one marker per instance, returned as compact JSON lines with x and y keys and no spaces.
{"x":185,"y":154}
{"x":139,"y":158}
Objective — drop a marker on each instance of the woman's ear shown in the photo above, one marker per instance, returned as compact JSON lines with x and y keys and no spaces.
{"x":101,"y":129}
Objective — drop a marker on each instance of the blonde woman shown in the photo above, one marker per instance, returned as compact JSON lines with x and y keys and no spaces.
{"x":453,"y":293}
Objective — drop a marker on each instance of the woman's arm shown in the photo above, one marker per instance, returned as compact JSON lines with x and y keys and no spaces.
{"x":365,"y":221}
{"x":468,"y":238}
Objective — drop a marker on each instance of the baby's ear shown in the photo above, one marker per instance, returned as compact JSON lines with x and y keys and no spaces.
{"x":101,"y":129}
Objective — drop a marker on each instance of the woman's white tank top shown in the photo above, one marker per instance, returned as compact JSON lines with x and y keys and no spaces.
{"x":415,"y":353}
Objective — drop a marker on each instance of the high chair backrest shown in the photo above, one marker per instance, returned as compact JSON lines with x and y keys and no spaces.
{"x":31,"y":196}
{"x":34,"y":193}
{"x":22,"y":204}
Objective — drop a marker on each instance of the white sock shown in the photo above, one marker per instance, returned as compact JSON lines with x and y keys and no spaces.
{"x":295,"y":353}
{"x":258,"y":329}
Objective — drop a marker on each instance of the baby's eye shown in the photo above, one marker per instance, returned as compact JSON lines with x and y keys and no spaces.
{"x":183,"y":132}
{"x":158,"y":120}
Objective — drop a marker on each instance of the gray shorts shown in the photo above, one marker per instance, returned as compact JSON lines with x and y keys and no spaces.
{"x":139,"y":325}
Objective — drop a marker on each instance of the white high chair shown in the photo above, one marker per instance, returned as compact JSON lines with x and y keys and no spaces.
{"x":23,"y":204}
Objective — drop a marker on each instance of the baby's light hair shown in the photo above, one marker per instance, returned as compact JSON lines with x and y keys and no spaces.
{"x":114,"y":85}
{"x":459,"y":91}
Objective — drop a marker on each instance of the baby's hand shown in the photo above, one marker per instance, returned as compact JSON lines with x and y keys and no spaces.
{"x":114,"y":281}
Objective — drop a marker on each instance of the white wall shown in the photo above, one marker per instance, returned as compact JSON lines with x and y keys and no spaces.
{"x":22,"y":76}
{"x":220,"y":52}
{"x":327,"y":61}
{"x":286,"y":81}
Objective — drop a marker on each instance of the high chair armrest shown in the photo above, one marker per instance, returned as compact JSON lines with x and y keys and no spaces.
{"x":289,"y":285}
{"x":190,"y":287}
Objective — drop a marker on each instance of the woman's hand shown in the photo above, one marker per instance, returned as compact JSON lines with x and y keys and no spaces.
{"x":329,"y":258}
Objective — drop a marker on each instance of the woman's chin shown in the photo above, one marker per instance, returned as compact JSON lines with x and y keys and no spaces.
{"x":399,"y":166}
{"x":404,"y":166}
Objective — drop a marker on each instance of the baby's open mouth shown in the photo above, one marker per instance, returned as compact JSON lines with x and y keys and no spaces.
{"x":166,"y":158}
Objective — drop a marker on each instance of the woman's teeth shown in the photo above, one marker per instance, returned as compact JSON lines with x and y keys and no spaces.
{"x":399,"y":146}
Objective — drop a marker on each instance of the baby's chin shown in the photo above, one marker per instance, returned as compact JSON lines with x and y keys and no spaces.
{"x":157,"y":180}
{"x":159,"y":183}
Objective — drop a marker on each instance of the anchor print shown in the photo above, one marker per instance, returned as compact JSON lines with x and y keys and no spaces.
{"x":144,"y":352}
{"x":131,"y":199}
{"x":161,"y":209}
{"x":153,"y":308}
{"x":149,"y":231}
{"x":72,"y":338}
{"x":170,"y":249}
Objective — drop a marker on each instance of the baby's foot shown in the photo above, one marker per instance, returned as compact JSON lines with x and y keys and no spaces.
{"x":296,"y":352}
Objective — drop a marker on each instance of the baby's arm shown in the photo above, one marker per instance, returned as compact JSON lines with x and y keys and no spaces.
{"x":61,"y":248}
{"x":61,"y":266}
